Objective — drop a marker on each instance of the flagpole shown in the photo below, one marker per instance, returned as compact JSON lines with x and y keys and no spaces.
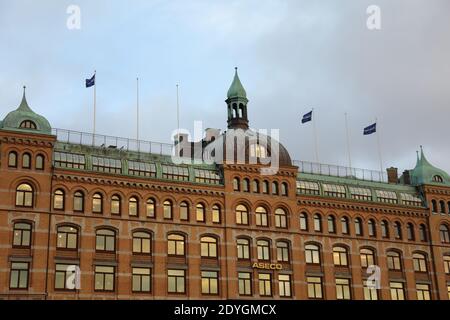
{"x":95,"y":107}
{"x":315,"y":136}
{"x":348,"y":142}
{"x":137,"y":110}
{"x":379,"y":146}
{"x":178,"y":116}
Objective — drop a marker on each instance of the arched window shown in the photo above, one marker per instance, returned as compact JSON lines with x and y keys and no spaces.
{"x":398,"y":230}
{"x":331,"y":224}
{"x":24,"y":195}
{"x":384,"y":229}
{"x":358,"y":227}
{"x":58,"y":199}
{"x":133,"y":207}
{"x":442,"y":206}
{"x":261,"y":217}
{"x":255,"y":186}
{"x":40,"y":162}
{"x":241,"y":214}
{"x":423,"y":233}
{"x":236,"y":184}
{"x":282,"y":251}
{"x":344,"y":226}
{"x":22,"y":235}
{"x":78,"y":201}
{"x":208,"y":246}
{"x":150,"y":208}
{"x":167,"y":206}
{"x":116,"y":204}
{"x":304,"y":221}
{"x":410,"y":231}
{"x":394,"y":261}
{"x":176,"y":245}
{"x":243,"y":248}
{"x":372,"y":228}
{"x":312,"y":254}
{"x":27,"y":124}
{"x":67,"y":238}
{"x":200,"y":212}
{"x":12,"y":159}
{"x":26,"y":161}
{"x":215,"y":213}
{"x":105,"y":240}
{"x":284,"y":189}
{"x":438,"y":179}
{"x":340,"y":256}
{"x":317,"y":222}
{"x":280,"y":218}
{"x":246,"y":185}
{"x":142,"y":242}
{"x":434,"y":207}
{"x":420,"y":262}
{"x":274,"y":188}
{"x":265,"y":187}
{"x":184,"y":210}
{"x":97,"y":203}
{"x":263,"y":249}
{"x":367,"y":257}
{"x":444,"y":233}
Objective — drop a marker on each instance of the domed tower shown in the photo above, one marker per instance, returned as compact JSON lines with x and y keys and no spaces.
{"x":237,"y":104}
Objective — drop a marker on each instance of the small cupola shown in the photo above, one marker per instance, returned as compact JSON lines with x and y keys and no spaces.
{"x":26,"y":120}
{"x":426,"y":173}
{"x":237,"y":104}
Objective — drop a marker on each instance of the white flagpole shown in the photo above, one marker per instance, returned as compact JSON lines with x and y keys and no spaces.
{"x":95,"y":107}
{"x":379,"y":146}
{"x":137,"y":110}
{"x":178,"y":116}
{"x":315,"y":135}
{"x":348,"y":142}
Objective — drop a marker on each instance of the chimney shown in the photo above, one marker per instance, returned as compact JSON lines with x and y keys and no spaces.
{"x":392,"y":174}
{"x":406,"y":177}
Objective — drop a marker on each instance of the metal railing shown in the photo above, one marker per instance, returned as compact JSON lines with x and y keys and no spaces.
{"x":103,"y":141}
{"x":340,"y":171}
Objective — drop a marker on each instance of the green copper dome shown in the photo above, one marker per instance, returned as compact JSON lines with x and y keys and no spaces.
{"x":236,"y":89}
{"x":26,"y":120}
{"x":425,"y":173}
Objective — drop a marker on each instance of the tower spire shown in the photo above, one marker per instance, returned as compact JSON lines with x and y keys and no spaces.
{"x":237,"y":104}
{"x":24,"y":104}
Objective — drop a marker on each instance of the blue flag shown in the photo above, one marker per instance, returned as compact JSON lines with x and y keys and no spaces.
{"x":90,"y":82}
{"x":370,"y":129}
{"x":307,"y":117}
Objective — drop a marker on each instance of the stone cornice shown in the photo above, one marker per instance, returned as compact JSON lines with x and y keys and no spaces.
{"x":28,"y":141}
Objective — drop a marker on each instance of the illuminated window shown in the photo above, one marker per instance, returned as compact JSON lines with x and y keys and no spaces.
{"x":116,"y":204}
{"x":312,"y":254}
{"x":141,"y":279}
{"x":236,"y":184}
{"x":367,"y":257}
{"x":340,"y":256}
{"x":39,"y":162}
{"x":12,"y":159}
{"x":105,"y":240}
{"x":261,"y":217}
{"x":263,"y":249}
{"x":397,"y":290}
{"x":175,"y":245}
{"x":184,"y":211}
{"x":265,"y":284}
{"x":343,"y":289}
{"x":215,"y":214}
{"x":265,"y":187}
{"x":419,"y":262}
{"x":67,"y":238}
{"x":394,"y":261}
{"x":255,"y":187}
{"x":282,"y":251}
{"x":133,"y":206}
{"x":280,"y":218}
{"x":58,"y":200}
{"x":274,"y":188}
{"x":22,"y":235}
{"x":246,"y":185}
{"x":208,"y":246}
{"x":78,"y":201}
{"x":63,"y":273}
{"x":150,"y":208}
{"x":284,"y":285}
{"x":26,"y":161}
{"x":447,"y":264}
{"x":200,"y":212}
{"x":370,"y":293}
{"x":284,"y":189}
{"x":245,"y":283}
{"x":317,"y":223}
{"x":258,"y":151}
{"x":97,"y":203}
{"x":314,"y":287}
{"x":176,"y":281}
{"x":141,"y":242}
{"x":423,"y":291}
{"x":243,"y":248}
{"x":210,"y":282}
{"x":104,"y":278}
{"x":19,"y":275}
{"x":241,"y":215}
{"x":24,"y":195}
{"x":167,"y":206}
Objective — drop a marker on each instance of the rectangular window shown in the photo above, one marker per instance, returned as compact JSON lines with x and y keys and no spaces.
{"x":141,"y":279}
{"x":411,"y":199}
{"x":314,"y":287}
{"x":308,"y":187}
{"x":245,"y":283}
{"x":386,"y":196}
{"x":175,"y":172}
{"x":397,"y":290}
{"x":69,"y":160}
{"x":207,"y":176}
{"x":361,"y":193}
{"x":104,"y":278}
{"x":176,"y":281}
{"x":265,"y":284}
{"x":284,"y":285}
{"x":19,"y":275}
{"x":370,"y":293}
{"x":423,"y":292}
{"x":333,"y":190}
{"x":343,"y":289}
{"x":447,"y":264}
{"x":108,"y":165}
{"x":448,"y":291}
{"x":62,"y":275}
{"x":210,"y":282}
{"x":142,"y":169}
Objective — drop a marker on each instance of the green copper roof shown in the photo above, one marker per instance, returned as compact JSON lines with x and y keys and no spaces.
{"x":426,"y":173}
{"x":236,"y":89}
{"x":15,"y":118}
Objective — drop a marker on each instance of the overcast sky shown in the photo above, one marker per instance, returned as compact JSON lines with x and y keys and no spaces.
{"x":292,"y":56}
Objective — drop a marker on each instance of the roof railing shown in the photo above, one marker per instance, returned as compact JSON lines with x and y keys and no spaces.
{"x":103,"y":141}
{"x":340,"y":171}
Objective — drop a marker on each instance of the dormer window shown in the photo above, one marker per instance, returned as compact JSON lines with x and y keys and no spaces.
{"x":258,"y":151}
{"x":28,"y":124}
{"x":437,"y":178}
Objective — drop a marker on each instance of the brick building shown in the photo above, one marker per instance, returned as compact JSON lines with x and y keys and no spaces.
{"x":139,"y":226}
